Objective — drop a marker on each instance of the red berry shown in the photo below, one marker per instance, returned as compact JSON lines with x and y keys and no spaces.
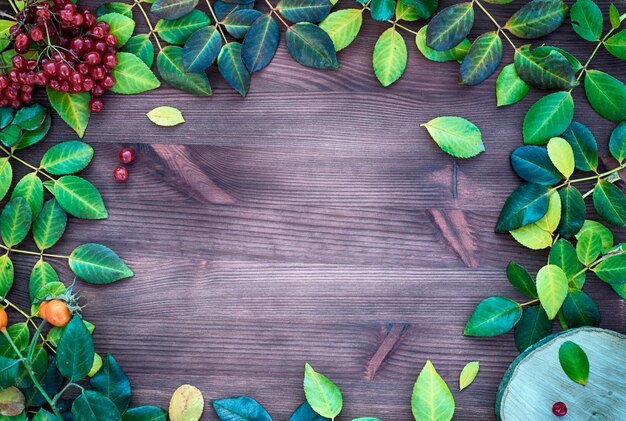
{"x":36,"y":34}
{"x":92,"y":58}
{"x":559,"y":409}
{"x":105,"y":26}
{"x":95,"y":105}
{"x":109,"y":60}
{"x":50,"y":68}
{"x":108,"y":82}
{"x":120,"y":173}
{"x":97,"y":72}
{"x":97,"y":32}
{"x":111,"y":40}
{"x":18,"y":62}
{"x":127,"y":155}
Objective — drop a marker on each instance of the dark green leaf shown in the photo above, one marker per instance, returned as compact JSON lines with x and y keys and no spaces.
{"x":304,"y":10}
{"x":49,"y":225}
{"x":584,"y":146}
{"x":67,"y":157}
{"x":580,"y":310}
{"x":493,"y":316}
{"x":51,"y":383}
{"x":521,"y":279}
{"x":201,"y":49}
{"x":231,"y":66}
{"x":72,"y":108}
{"x":532,"y":327}
{"x":510,"y":88}
{"x":537,"y":18}
{"x":9,"y":370}
{"x":343,"y":26}
{"x":31,"y":117}
{"x":242,"y":408}
{"x":423,"y":8}
{"x":527,"y":204}
{"x":390,"y":57}
{"x":177,"y":31}
{"x":573,"y":211}
{"x":31,"y":137}
{"x":548,"y":117}
{"x":121,"y":26}
{"x":586,"y":19}
{"x":545,"y":50}
{"x":42,"y":274}
{"x":112,"y":382}
{"x":79,"y":198}
{"x":482,"y":59}
{"x":171,"y":69}
{"x":75,"y":352}
{"x":260,"y":43}
{"x":98,"y":264}
{"x":6,"y":116}
{"x":454,"y":54}
{"x":15,"y":221}
{"x":306,"y":413}
{"x":115,"y":7}
{"x":533,"y":165}
{"x":574,"y":362}
{"x":223,"y":9}
{"x":606,"y":95}
{"x":610,"y":203}
{"x":617,"y":142}
{"x":545,"y":68}
{"x":172,"y":9}
{"x":30,"y":188}
{"x":92,"y":406}
{"x":311,"y":46}
{"x":145,"y":413}
{"x":382,"y":9}
{"x":11,"y":135}
{"x":450,"y":26}
{"x":238,"y":22}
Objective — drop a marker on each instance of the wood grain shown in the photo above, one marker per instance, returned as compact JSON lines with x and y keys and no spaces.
{"x":314,"y":221}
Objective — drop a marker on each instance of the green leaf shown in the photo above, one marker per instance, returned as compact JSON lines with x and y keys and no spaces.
{"x":115,"y":7}
{"x":31,"y":117}
{"x":584,"y":146}
{"x":424,"y":9}
{"x":223,"y":9}
{"x":545,"y":50}
{"x":42,"y":274}
{"x":574,"y":362}
{"x":132,"y":75}
{"x":56,"y":333}
{"x":586,"y":19}
{"x":238,"y":22}
{"x":551,"y":288}
{"x":20,"y":335}
{"x":187,"y":404}
{"x":322,"y":394}
{"x":616,"y":45}
{"x":172,"y":9}
{"x":242,"y":408}
{"x":533,"y":164}
{"x":145,"y":413}
{"x":532,"y":327}
{"x":482,"y":59}
{"x":606,"y":95}
{"x":304,"y":10}
{"x":11,"y":135}
{"x":521,"y":279}
{"x":454,"y":54}
{"x":15,"y":221}
{"x":7,"y":275}
{"x":75,"y":352}
{"x":580,"y":310}
{"x":563,"y":254}
{"x":232,"y":68}
{"x":573,"y":211}
{"x":30,"y":188}
{"x":166,"y":116}
{"x":612,"y":269}
{"x":311,"y":46}
{"x":112,"y":382}
{"x":306,"y":413}
{"x":550,"y":221}
{"x":614,"y":17}
{"x":49,"y":291}
{"x":141,"y":46}
{"x":382,"y":10}
{"x":617,"y":142}
{"x":177,"y":31}
{"x":121,"y":26}
{"x":260,"y":43}
{"x":532,"y":237}
{"x":537,"y":18}
{"x":548,"y":117}
{"x":49,"y":226}
{"x":600,"y":230}
{"x":201,"y":49}
{"x":406,"y":12}
{"x":545,"y":68}
{"x":610,"y":203}
{"x":97,"y":264}
{"x":6,"y":176}
{"x":31,"y":137}
{"x":456,"y":136}
{"x":390,"y":57}
{"x":510,"y":88}
{"x":450,"y":26}
{"x":431,"y":399}
{"x":171,"y":69}
{"x":67,"y":157}
{"x":343,"y":26}
{"x":79,"y":198}
{"x":5,"y":25}
{"x":527,"y":204}
{"x":493,"y":316}
{"x":588,"y":247}
{"x":92,"y":406}
{"x":468,"y":374}
{"x":6,"y":113}
{"x":9,"y":370}
{"x":72,"y":108}
{"x":562,"y":156}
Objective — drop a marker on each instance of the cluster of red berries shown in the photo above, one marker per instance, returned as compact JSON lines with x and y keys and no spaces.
{"x":75,"y":53}
{"x":126,"y":156}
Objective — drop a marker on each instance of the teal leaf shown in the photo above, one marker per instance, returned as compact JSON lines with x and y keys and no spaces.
{"x":242,"y":408}
{"x":201,"y":49}
{"x":550,"y":116}
{"x":424,"y":9}
{"x":172,"y":9}
{"x":382,"y":10}
{"x":31,"y":117}
{"x":533,"y":326}
{"x":533,"y":164}
{"x":493,"y":316}
{"x":527,"y":204}
{"x":482,"y":59}
{"x":93,"y":406}
{"x":304,"y":10}
{"x":450,"y":26}
{"x":115,"y":7}
{"x":306,"y":413}
{"x":311,"y":46}
{"x":75,"y":353}
{"x":171,"y":69}
{"x":260,"y":43}
{"x":580,"y":310}
{"x":521,"y":279}
{"x":97,"y":264}
{"x":610,"y":203}
{"x":573,"y":211}
{"x":238,"y":22}
{"x":230,"y":65}
{"x":617,"y":142}
{"x":584,"y":146}
{"x":145,"y":413}
{"x":112,"y":382}
{"x":545,"y":68}
{"x":456,"y":53}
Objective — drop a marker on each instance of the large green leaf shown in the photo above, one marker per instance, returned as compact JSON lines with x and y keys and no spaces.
{"x":545,"y":68}
{"x":343,"y":26}
{"x":550,"y":116}
{"x":260,"y":43}
{"x":574,"y":362}
{"x":493,"y":316}
{"x":532,"y":327}
{"x":527,"y":204}
{"x":141,"y":46}
{"x":72,"y":108}
{"x":573,"y":211}
{"x":580,"y":310}
{"x":49,"y":225}
{"x":322,"y":394}
{"x":510,"y":88}
{"x":521,"y":279}
{"x":533,"y":164}
{"x":201,"y":49}
{"x":305,"y":413}
{"x":612,"y":269}
{"x":7,"y":275}
{"x":242,"y":408}
{"x":431,"y":399}
{"x":98,"y":264}
{"x":606,"y":95}
{"x":586,"y":19}
{"x":172,"y":70}
{"x":610,"y":203}
{"x":230,"y":65}
{"x":112,"y":382}
{"x":450,"y":26}
{"x":616,"y":45}
{"x":562,"y":156}
{"x":537,"y":18}
{"x":145,"y":413}
{"x":6,"y":176}
{"x":304,"y":10}
{"x":617,"y":142}
{"x":456,"y":53}
{"x":42,"y":274}
{"x":238,"y":22}
{"x":177,"y":31}
{"x":382,"y":10}
{"x":132,"y":75}
{"x":456,"y":136}
{"x":172,"y":9}
{"x":31,"y":117}
{"x":389,"y":57}
{"x":79,"y":198}
{"x":30,"y":188}
{"x":588,"y":247}
{"x":67,"y":157}
{"x":121,"y":26}
{"x":551,"y":288}
{"x":482,"y":59}
{"x":584,"y":146}
{"x":93,"y":406}
{"x":75,"y":353}
{"x":15,"y":221}
{"x":11,"y":135}
{"x":311,"y":46}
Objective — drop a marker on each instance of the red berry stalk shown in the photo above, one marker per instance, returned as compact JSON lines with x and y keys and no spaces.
{"x":59,"y":46}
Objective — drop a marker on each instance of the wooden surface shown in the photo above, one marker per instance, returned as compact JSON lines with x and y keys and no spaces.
{"x":314,"y":221}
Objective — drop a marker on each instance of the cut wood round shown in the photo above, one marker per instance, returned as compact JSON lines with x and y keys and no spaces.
{"x":535,"y":380}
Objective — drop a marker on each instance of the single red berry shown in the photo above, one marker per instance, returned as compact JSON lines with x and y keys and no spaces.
{"x":127,"y":155}
{"x":109,"y":60}
{"x":559,"y":409}
{"x":95,"y":105}
{"x":36,"y":34}
{"x":120,"y":173}
{"x":111,"y":40}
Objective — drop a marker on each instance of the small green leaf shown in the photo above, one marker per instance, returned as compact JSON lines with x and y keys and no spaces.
{"x":533,"y":164}
{"x":141,"y":46}
{"x":537,"y":18}
{"x":42,"y":274}
{"x":171,"y":69}
{"x":311,"y":46}
{"x":7,"y":275}
{"x":75,"y":352}
{"x":232,"y":68}
{"x":132,"y":75}
{"x":546,"y":67}
{"x":49,"y":226}
{"x":201,"y":49}
{"x":79,"y":198}
{"x":614,"y":17}
{"x":450,"y":26}
{"x":177,"y":31}
{"x":456,"y":53}
{"x":580,"y":310}
{"x":584,"y":146}
{"x":93,"y":406}
{"x":521,"y":279}
{"x":172,"y":9}
{"x":304,"y":10}
{"x":493,"y":316}
{"x":610,"y":203}
{"x":260,"y":43}
{"x":15,"y":221}
{"x":551,"y":288}
{"x":548,"y":117}
{"x":121,"y":26}
{"x":617,"y":142}
{"x":187,"y":404}
{"x":67,"y":157}
{"x":527,"y":204}
{"x":510,"y":88}
{"x":238,"y":22}
{"x":431,"y":399}
{"x":482,"y":59}
{"x":242,"y":408}
{"x":97,"y":264}
{"x":382,"y":10}
{"x":532,"y":327}
{"x":166,"y":116}
{"x":468,"y":374}
{"x":606,"y":95}
{"x":31,"y":117}
{"x":586,"y":19}
{"x":6,"y":176}
{"x":390,"y":57}
{"x":456,"y":136}
{"x":72,"y":108}
{"x":343,"y":26}
{"x":322,"y":394}
{"x":573,"y":211}
{"x":112,"y":382}
{"x":562,"y":156}
{"x":574,"y":362}
{"x":588,"y":247}
{"x":30,"y":188}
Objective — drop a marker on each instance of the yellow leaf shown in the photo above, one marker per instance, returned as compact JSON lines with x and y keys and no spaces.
{"x":187,"y":404}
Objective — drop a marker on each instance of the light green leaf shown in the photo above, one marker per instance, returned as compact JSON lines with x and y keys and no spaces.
{"x":343,"y":26}
{"x":510,"y":88}
{"x":49,"y":226}
{"x":551,"y":288}
{"x":600,"y":230}
{"x":574,"y":362}
{"x":30,"y":188}
{"x":7,"y":275}
{"x":6,"y":176}
{"x":67,"y":157}
{"x":468,"y":374}
{"x":606,"y":95}
{"x":588,"y":247}
{"x":15,"y":221}
{"x":456,"y":53}
{"x":166,"y":116}
{"x":72,"y":108}
{"x":42,"y":274}
{"x":177,"y":31}
{"x":548,"y":117}
{"x":532,"y":237}
{"x":79,"y":198}
{"x":132,"y":75}
{"x":141,"y":46}
{"x":322,"y":394}
{"x":187,"y":404}
{"x":431,"y":399}
{"x":389,"y":57}
{"x":562,"y":156}
{"x":456,"y":136}
{"x":97,"y":264}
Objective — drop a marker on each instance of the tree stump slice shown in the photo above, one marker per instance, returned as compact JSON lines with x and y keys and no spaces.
{"x":535,"y":380}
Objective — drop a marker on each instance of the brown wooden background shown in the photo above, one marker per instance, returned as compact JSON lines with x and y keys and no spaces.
{"x":313,"y":221}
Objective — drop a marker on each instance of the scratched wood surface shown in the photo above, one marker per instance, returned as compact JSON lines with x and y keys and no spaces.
{"x":313,"y":221}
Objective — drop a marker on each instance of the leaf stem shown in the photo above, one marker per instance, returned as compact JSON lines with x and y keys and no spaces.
{"x":152,"y":31}
{"x":536,"y":300}
{"x":10,"y":155}
{"x":495,"y":22}
{"x":217,"y":22}
{"x":593,"y":53}
{"x":34,"y":253}
{"x":274,"y":11}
